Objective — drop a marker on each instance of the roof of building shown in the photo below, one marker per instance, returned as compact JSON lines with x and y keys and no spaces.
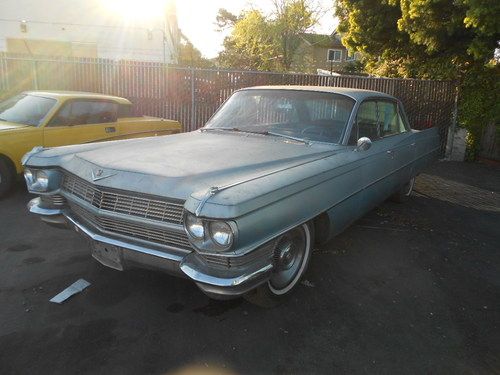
{"x":322,"y":40}
{"x":77,"y":95}
{"x":357,"y":94}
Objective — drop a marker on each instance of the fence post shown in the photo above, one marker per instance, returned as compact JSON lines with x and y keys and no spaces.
{"x":35,"y":73}
{"x":451,"y":129}
{"x":193,"y":104}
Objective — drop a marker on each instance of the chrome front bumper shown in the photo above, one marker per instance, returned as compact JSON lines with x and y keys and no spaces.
{"x":216,"y":282}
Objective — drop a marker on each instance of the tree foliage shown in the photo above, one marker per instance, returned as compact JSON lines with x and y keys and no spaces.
{"x":434,"y":39}
{"x":250,"y":45}
{"x":189,"y":55}
{"x":225,"y":19}
{"x":265,"y":42}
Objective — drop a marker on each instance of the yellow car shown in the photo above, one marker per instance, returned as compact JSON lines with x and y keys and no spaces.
{"x":58,"y":118}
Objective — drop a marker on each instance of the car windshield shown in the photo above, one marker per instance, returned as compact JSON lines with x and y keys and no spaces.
{"x":26,"y":109}
{"x":302,"y":115}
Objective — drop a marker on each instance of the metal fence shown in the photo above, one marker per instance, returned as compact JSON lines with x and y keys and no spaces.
{"x":192,"y":95}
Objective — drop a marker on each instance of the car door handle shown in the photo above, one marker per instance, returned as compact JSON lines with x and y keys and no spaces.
{"x":110,"y":129}
{"x":412,"y":144}
{"x":390,"y":152}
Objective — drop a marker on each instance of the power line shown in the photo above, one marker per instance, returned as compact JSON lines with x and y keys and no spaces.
{"x":75,"y":24}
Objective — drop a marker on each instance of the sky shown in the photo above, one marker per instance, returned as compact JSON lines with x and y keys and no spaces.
{"x":196,"y":20}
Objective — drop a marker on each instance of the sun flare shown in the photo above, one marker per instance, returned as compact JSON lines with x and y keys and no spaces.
{"x":135,"y":9}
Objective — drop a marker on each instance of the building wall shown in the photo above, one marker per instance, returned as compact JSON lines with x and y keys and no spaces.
{"x":310,"y":58}
{"x":82,"y":28}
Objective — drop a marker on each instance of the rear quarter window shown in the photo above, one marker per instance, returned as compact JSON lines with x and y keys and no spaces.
{"x":124,"y":110}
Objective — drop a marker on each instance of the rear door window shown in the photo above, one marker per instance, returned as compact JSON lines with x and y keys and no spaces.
{"x":390,"y":120}
{"x":377,"y":119}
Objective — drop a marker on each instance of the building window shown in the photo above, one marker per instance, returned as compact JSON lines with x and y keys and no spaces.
{"x":334,"y":55}
{"x":351,"y":56}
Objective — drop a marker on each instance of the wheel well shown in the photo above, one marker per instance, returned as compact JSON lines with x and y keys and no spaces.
{"x":321,"y":228}
{"x":10,"y":164}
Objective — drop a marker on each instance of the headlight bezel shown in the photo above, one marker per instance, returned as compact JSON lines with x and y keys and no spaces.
{"x":40,"y":180}
{"x":207,"y":243}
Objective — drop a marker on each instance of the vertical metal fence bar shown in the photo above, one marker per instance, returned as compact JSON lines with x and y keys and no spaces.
{"x":193,"y":101}
{"x":192,"y":95}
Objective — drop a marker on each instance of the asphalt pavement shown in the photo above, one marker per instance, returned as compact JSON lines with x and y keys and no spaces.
{"x":411,"y":288}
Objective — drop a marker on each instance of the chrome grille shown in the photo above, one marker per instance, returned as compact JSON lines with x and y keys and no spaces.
{"x":264,"y":252}
{"x":54,"y":200}
{"x":129,"y":229}
{"x":123,"y":202}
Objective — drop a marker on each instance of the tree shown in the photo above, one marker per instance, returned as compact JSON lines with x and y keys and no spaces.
{"x":265,"y":42}
{"x":250,"y":45}
{"x":225,"y":19}
{"x":189,"y":55}
{"x":291,"y":18}
{"x":434,"y":39}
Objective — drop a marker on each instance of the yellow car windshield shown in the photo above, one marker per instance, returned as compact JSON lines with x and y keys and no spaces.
{"x":26,"y":109}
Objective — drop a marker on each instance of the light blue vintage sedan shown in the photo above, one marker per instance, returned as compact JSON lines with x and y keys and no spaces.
{"x":238,"y":205}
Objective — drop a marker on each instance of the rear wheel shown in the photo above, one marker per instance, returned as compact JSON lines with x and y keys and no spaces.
{"x":6,"y":177}
{"x":291,"y":258}
{"x":404,"y":193}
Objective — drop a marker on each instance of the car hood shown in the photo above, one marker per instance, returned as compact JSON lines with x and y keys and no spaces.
{"x":5,"y":126}
{"x":185,"y":165}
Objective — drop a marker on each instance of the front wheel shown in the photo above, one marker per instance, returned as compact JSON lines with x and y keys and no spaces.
{"x":291,"y":258}
{"x":6,"y":178}
{"x":404,"y":193}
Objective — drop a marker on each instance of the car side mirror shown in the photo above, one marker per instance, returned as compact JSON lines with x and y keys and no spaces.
{"x":364,"y":143}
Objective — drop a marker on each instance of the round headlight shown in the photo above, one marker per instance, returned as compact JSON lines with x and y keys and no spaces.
{"x":36,"y":180}
{"x":42,"y":180}
{"x":28,"y":176}
{"x":195,"y":227}
{"x":221,"y":233}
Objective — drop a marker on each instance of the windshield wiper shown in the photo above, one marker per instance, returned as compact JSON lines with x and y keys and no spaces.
{"x":260,"y":132}
{"x":289,"y":137}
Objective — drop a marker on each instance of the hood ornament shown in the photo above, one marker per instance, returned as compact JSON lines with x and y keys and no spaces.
{"x":99,"y":175}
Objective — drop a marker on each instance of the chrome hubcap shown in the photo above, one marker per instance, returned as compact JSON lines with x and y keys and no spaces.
{"x":289,"y":256}
{"x":286,"y":257}
{"x":409,"y":186}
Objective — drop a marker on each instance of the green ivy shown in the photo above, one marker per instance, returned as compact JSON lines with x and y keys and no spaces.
{"x":479,"y":103}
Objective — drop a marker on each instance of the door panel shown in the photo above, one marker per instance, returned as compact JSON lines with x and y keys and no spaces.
{"x":427,"y":147}
{"x":400,"y":140}
{"x":377,"y":173}
{"x":76,"y":134}
{"x":404,"y":155}
{"x":388,"y":161}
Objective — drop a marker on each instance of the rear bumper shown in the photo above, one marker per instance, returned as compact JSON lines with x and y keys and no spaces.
{"x":219,"y":283}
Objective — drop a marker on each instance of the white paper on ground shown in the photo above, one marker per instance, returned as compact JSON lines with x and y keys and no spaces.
{"x":74,"y":288}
